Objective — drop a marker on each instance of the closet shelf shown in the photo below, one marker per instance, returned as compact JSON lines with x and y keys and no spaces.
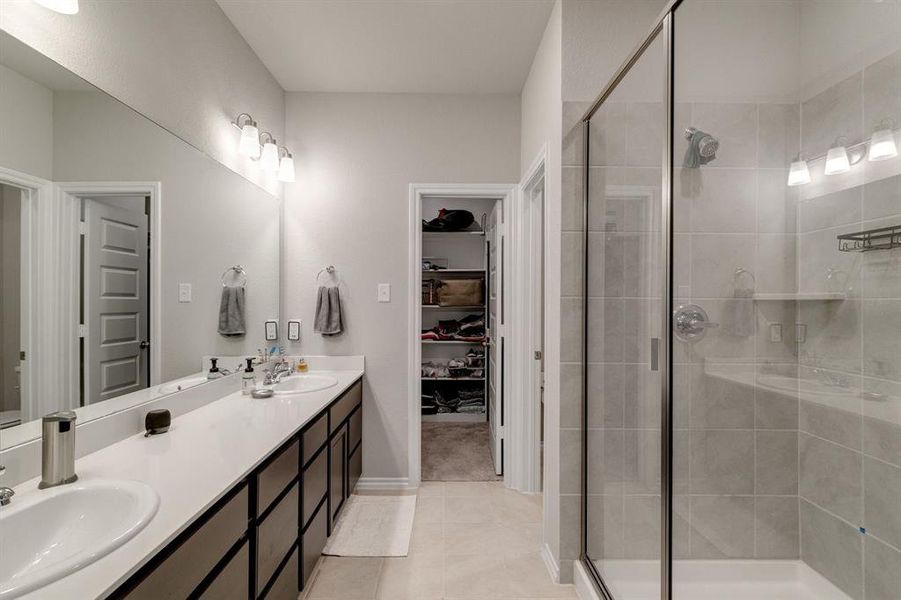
{"x":454,"y":418}
{"x":452,"y":378}
{"x":437,"y":307}
{"x":438,"y":235}
{"x":453,"y":271}
{"x":463,"y":342}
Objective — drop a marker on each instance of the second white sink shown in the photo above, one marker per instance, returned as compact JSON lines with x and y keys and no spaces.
{"x":301,"y":384}
{"x":48,"y":534}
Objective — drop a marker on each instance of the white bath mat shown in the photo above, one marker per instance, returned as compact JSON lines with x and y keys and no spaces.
{"x":373,"y":526}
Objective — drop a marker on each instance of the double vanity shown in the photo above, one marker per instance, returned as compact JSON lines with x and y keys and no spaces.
{"x":236,"y":500}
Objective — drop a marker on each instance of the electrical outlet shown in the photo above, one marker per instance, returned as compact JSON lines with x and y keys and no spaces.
{"x":294,"y":330}
{"x":384,"y":292}
{"x":775,"y":332}
{"x":185,"y":292}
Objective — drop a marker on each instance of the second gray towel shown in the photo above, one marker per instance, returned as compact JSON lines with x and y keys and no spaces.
{"x":231,"y":312}
{"x":328,"y":319}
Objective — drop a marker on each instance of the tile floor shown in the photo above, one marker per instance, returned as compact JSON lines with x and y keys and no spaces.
{"x":472,"y":540}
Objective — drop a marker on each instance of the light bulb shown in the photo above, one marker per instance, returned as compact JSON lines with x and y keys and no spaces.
{"x":882,"y":146}
{"x":249,"y":145}
{"x":269,"y":158}
{"x":286,"y":169}
{"x":837,"y":161}
{"x":66,"y":7}
{"x":798,"y":173}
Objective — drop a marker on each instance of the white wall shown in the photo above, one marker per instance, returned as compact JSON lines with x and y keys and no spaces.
{"x":356,"y":155}
{"x":183,"y":64}
{"x":542,"y":127}
{"x":211,"y":219}
{"x":26,"y":142}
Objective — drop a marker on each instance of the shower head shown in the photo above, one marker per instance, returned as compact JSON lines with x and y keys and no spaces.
{"x":702,"y":147}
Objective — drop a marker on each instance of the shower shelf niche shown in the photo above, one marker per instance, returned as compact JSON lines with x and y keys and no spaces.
{"x":883,"y":238}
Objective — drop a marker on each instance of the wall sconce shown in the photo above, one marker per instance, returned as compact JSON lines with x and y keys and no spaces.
{"x":798,"y":173}
{"x":286,"y":166}
{"x":269,"y":157}
{"x":66,"y":7}
{"x":882,"y":142}
{"x":837,"y":160}
{"x":250,"y":136}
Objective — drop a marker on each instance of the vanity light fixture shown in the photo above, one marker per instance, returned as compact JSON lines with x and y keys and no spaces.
{"x":66,"y":7}
{"x":837,"y":159}
{"x":269,"y":157}
{"x":798,"y":173}
{"x":286,"y":166}
{"x":882,"y":143}
{"x":250,"y":136}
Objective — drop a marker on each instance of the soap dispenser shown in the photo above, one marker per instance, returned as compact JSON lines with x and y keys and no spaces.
{"x":214,"y":372}
{"x":248,"y":378}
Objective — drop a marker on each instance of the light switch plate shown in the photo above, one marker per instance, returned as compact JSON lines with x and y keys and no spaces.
{"x":294,"y":330}
{"x":775,"y":332}
{"x":384,"y":292}
{"x":185,"y":292}
{"x":271,"y":331}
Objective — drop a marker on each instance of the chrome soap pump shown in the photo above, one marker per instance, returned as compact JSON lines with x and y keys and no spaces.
{"x":248,"y":378}
{"x":58,"y":449}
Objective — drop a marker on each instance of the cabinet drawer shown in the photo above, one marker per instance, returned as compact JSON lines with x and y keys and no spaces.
{"x":275,"y":537}
{"x":354,"y":470}
{"x":315,"y":485}
{"x":286,"y":585}
{"x":315,"y":436}
{"x":355,"y":428}
{"x":343,"y":407}
{"x":181,"y":572}
{"x":313,"y":542}
{"x":337,"y":476}
{"x":276,"y":476}
{"x":232,"y":582}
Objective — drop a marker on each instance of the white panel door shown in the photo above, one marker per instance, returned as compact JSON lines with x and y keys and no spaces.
{"x":495,"y":329}
{"x":116,"y":345}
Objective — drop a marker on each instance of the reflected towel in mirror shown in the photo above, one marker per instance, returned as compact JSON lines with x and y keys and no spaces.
{"x":328,"y":319}
{"x":231,"y":311}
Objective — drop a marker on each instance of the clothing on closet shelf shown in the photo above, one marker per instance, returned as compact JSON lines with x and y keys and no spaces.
{"x":465,"y":401}
{"x":468,"y":329}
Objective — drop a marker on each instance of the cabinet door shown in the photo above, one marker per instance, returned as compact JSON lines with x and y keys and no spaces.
{"x":337,"y":473}
{"x":232,"y":583}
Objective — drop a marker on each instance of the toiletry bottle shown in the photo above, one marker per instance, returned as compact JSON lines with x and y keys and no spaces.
{"x":214,"y":372}
{"x":248,"y":378}
{"x":302,"y":365}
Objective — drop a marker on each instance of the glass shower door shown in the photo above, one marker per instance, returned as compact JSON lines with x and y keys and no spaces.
{"x":624,"y":308}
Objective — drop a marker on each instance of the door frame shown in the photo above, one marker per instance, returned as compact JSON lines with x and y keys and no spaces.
{"x":75,"y":190}
{"x":524,"y":433}
{"x":506,"y":193}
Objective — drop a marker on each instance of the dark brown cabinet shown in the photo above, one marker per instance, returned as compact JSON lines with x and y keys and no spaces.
{"x":264,"y":537}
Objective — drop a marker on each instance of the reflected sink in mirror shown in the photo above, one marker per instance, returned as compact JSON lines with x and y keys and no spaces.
{"x":49,"y":534}
{"x":303,"y":384}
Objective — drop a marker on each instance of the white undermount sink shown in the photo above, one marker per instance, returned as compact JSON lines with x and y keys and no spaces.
{"x":301,"y":384}
{"x":48,"y":534}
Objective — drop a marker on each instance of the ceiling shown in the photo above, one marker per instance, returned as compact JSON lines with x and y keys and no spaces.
{"x":394,"y":46}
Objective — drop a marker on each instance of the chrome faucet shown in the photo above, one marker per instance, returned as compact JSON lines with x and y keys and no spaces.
{"x":6,"y":495}
{"x":276,"y":372}
{"x":58,"y":449}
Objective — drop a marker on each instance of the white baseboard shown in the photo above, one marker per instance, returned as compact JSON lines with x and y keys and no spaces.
{"x":584,"y":588}
{"x":384,"y":485}
{"x":551,"y":563}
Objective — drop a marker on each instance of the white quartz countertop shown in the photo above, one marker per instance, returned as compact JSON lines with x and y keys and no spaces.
{"x":204,"y":454}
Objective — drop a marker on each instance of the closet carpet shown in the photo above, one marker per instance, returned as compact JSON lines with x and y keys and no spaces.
{"x":456,"y":452}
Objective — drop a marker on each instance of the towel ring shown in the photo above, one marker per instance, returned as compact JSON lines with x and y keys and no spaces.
{"x":239,"y":271}
{"x":329,"y":270}
{"x":737,"y":276}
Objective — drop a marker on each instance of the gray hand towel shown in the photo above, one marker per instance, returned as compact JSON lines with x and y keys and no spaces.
{"x":740,"y":317}
{"x":328,"y":319}
{"x":231,"y":312}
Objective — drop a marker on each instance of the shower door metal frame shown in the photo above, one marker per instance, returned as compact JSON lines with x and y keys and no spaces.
{"x":662,"y":27}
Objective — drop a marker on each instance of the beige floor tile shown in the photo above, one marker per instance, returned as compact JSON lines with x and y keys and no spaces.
{"x":473,"y":538}
{"x":471,"y":488}
{"x":413,"y":578}
{"x":475,"y":577}
{"x":429,"y":509}
{"x":431,"y":488}
{"x":513,"y":508}
{"x":528,"y":577}
{"x":427,"y":541}
{"x":346,"y":578}
{"x":523,"y":538}
{"x":468,"y":509}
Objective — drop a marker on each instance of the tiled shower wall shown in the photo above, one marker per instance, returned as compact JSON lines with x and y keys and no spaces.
{"x":850,"y":440}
